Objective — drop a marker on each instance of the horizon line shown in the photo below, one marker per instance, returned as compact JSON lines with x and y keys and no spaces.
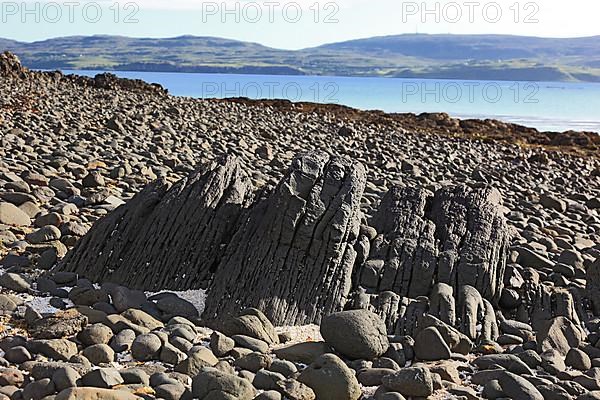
{"x":304,"y":48}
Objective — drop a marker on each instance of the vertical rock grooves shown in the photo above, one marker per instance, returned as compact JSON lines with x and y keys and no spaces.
{"x":292,"y":253}
{"x":166,"y":238}
{"x":457,"y":236}
{"x":474,"y":238}
{"x":293,"y":258}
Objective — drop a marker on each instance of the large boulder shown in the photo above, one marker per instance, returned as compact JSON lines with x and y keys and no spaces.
{"x":356,"y":334}
{"x":10,"y":66}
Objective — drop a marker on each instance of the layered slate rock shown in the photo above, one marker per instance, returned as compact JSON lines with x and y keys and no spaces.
{"x":166,"y":237}
{"x":457,"y":236}
{"x":294,"y":256}
{"x":10,"y":66}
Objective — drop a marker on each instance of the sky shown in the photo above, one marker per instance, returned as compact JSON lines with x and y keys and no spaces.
{"x":296,"y":24}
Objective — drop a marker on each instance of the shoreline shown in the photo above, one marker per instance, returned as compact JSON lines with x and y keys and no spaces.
{"x":454,"y":262}
{"x":579,"y":143}
{"x":573,"y":142}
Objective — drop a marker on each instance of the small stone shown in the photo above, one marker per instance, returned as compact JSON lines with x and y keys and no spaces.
{"x":295,"y":390}
{"x":38,"y":389}
{"x":305,"y":353}
{"x":7,"y":304}
{"x":373,"y":376}
{"x":64,"y":378}
{"x":104,"y":378}
{"x":143,"y":319}
{"x":146,"y":347}
{"x":45,"y":234}
{"x":559,"y":334}
{"x":251,"y":343}
{"x":578,"y":359}
{"x":212,"y":383}
{"x":57,"y":326}
{"x":7,"y":238}
{"x":284,"y":367}
{"x":132,"y":376}
{"x":12,"y":215}
{"x":11,"y":377}
{"x":253,"y":323}
{"x":199,"y":358}
{"x":93,"y":179}
{"x":95,"y":334}
{"x":17,"y":355}
{"x":87,"y":296}
{"x":56,"y":349}
{"x":176,"y":306}
{"x":430,"y":346}
{"x":330,"y":378}
{"x":124,"y":299}
{"x":357,"y":334}
{"x":269,"y":395}
{"x":253,"y":362}
{"x":123,"y":340}
{"x":14,"y":282}
{"x":220,"y":344}
{"x":266,"y":380}
{"x":171,"y":354}
{"x":170,"y":391}
{"x":99,"y":354}
{"x":30,"y":208}
{"x":553,"y":203}
{"x":54,"y":219}
{"x":85,"y":393}
{"x":571,"y":258}
{"x":414,"y":381}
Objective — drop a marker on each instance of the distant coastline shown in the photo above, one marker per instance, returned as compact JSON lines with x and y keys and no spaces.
{"x":464,"y":57}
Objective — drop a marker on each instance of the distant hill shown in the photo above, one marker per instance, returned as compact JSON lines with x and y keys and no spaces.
{"x":496,"y":57}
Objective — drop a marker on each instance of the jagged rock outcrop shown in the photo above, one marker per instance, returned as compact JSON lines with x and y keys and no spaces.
{"x":294,"y":256}
{"x":10,"y":66}
{"x":442,"y":254}
{"x":166,"y":238}
{"x":111,"y":82}
{"x":457,"y":236}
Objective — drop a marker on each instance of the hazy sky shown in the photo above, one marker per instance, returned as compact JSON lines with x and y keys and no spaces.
{"x":296,"y":24}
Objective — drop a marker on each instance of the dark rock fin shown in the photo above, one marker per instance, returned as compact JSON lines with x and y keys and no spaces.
{"x":293,"y":258}
{"x":166,"y":238}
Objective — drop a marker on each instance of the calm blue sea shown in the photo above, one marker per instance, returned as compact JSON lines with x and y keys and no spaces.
{"x":554,"y":106}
